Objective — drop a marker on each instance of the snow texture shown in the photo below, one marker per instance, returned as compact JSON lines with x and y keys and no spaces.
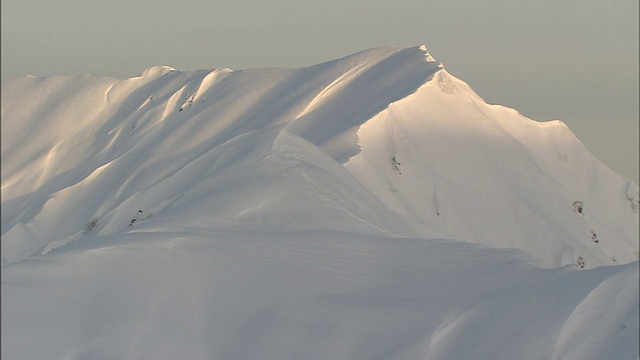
{"x":371,"y":207}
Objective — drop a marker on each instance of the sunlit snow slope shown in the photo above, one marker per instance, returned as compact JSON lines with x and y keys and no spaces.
{"x":371,"y":207}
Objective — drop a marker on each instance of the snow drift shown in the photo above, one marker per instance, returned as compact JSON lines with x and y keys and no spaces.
{"x":368,"y":207}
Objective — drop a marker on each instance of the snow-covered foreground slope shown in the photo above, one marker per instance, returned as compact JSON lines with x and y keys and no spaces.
{"x":310,"y":295}
{"x":372,"y":207}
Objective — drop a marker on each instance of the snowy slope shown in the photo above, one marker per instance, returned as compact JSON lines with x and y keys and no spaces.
{"x":486,"y":174}
{"x":310,"y":295}
{"x":369,"y":207}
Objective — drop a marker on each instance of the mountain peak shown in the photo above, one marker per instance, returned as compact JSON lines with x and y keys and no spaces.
{"x":157,"y":71}
{"x":428,"y":56}
{"x":360,"y":111}
{"x":293,"y":213}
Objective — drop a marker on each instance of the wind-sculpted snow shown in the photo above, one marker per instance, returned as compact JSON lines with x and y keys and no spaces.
{"x":364,"y":208}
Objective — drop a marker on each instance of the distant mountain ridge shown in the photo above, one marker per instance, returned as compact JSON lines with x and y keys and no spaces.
{"x":371,"y":207}
{"x":473,"y":172}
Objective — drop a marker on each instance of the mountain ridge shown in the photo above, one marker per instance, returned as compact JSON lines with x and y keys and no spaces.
{"x":196,"y":112}
{"x":371,"y":206}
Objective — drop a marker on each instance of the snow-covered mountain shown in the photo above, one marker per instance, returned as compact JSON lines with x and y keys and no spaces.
{"x":371,"y":207}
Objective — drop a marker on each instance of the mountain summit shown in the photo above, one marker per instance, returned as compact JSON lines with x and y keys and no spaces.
{"x":332,"y":211}
{"x":385,"y":137}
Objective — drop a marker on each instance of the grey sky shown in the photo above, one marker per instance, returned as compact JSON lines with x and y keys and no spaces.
{"x":573,"y":60}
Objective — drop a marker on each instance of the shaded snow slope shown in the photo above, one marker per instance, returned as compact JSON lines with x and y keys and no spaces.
{"x":364,"y":208}
{"x":150,"y":142}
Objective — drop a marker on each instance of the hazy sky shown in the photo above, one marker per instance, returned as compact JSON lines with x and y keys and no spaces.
{"x":573,"y":60}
